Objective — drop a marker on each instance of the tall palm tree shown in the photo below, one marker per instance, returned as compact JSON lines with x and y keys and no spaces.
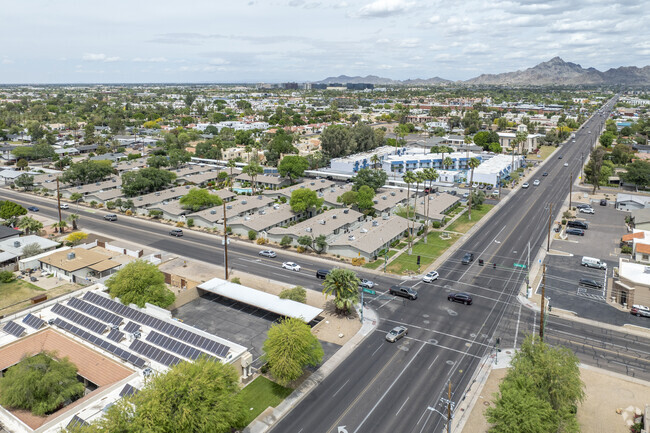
{"x":73,"y":218}
{"x":30,"y":225}
{"x":419,"y":179}
{"x":231,"y":164}
{"x":343,"y":285}
{"x":473,"y":163}
{"x":468,"y":140}
{"x":431,"y":175}
{"x":409,"y":178}
{"x":60,"y":226}
{"x":375,"y":161}
{"x":447,"y":162}
{"x":253,"y":170}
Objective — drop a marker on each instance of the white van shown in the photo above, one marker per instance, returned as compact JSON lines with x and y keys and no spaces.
{"x":592,"y":262}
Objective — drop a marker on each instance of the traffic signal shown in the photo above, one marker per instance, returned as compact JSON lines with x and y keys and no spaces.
{"x":418,"y":260}
{"x":480,"y":262}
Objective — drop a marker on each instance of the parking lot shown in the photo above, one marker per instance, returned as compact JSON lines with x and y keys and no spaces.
{"x":563,"y":272}
{"x":234,"y":321}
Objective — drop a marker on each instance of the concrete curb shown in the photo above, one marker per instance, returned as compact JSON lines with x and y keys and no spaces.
{"x":369,"y":324}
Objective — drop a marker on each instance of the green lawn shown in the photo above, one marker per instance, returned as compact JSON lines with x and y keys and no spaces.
{"x":428,"y":253}
{"x":379,"y":262}
{"x":545,"y":151}
{"x":16,"y":291}
{"x":260,"y":394}
{"x":463,"y":224}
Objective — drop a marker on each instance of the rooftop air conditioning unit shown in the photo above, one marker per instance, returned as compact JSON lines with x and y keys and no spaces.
{"x":375,"y":201}
{"x":173,"y":190}
{"x":375,"y":223}
{"x":321,"y":222}
{"x":187,"y":187}
{"x":80,"y":187}
{"x":16,"y":244}
{"x":244,"y":202}
{"x":351,"y":237}
{"x":262,"y":212}
{"x":139,"y":198}
{"x":333,"y":217}
{"x":308,"y":229}
{"x":276,"y":206}
{"x":383,"y":197}
{"x":364,"y":230}
{"x":401,"y":190}
{"x":392,"y":194}
{"x":320,"y":194}
{"x":114,"y":180}
{"x":259,"y":197}
{"x":228,"y":207}
{"x":71,"y":256}
{"x":213,"y":212}
{"x":157,"y":193}
{"x":384,"y":217}
{"x":247,"y":218}
{"x":322,"y":181}
{"x":332,"y":190}
{"x":346,"y":211}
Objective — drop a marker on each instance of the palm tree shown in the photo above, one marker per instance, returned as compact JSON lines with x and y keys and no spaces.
{"x":409,"y":178}
{"x":253,"y":169}
{"x":231,"y":164}
{"x":30,"y":225}
{"x":60,"y":226}
{"x":73,"y":218}
{"x":375,"y":161}
{"x":473,"y":163}
{"x":343,"y":284}
{"x":468,"y":140}
{"x":447,"y":162}
{"x":431,"y":175}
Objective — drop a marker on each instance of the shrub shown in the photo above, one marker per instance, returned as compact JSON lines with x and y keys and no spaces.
{"x":566,"y":215}
{"x":180,"y":224}
{"x":110,"y":205}
{"x":300,"y":249}
{"x":626,"y":249}
{"x":298,"y":294}
{"x":100,"y":205}
{"x":358,"y":261}
{"x":435,"y":224}
{"x":286,"y":242}
{"x":128,"y":212}
{"x":6,"y":277}
{"x":190,"y":222}
{"x":93,"y":203}
{"x":252,"y":235}
{"x":563,"y":222}
{"x":261,"y":241}
{"x":235,"y":280}
{"x":229,"y":230}
{"x":155,"y":214}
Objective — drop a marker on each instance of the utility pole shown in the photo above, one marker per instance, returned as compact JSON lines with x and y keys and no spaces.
{"x":550,"y":219}
{"x":58,"y":202}
{"x":449,"y":409}
{"x":225,"y":242}
{"x":541,"y":316}
{"x":570,"y":188}
{"x":528,"y":272}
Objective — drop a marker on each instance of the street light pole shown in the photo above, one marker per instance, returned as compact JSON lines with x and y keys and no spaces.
{"x":225,"y":242}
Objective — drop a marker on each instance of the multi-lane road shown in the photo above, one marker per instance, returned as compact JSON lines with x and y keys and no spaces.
{"x":384,"y":387}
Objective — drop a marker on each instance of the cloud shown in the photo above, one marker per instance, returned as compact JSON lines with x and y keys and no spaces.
{"x":384,"y":8}
{"x":409,"y":43}
{"x":6,"y":61}
{"x":97,"y":57}
{"x":150,"y":59}
{"x":218,"y":61}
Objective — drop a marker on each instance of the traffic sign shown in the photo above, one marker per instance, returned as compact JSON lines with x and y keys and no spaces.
{"x":520,"y":265}
{"x":368,"y":291}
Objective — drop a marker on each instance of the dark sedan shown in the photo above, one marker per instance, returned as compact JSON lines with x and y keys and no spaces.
{"x":33,"y":209}
{"x":463,"y":298}
{"x":574,"y":231}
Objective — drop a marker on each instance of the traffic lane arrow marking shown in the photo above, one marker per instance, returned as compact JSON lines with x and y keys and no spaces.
{"x":342,"y":429}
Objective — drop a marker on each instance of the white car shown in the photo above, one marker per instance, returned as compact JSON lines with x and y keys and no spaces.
{"x":291,"y":266}
{"x":65,"y":206}
{"x":588,"y":210}
{"x":536,"y":182}
{"x":525,"y":185}
{"x":430,"y":277}
{"x":366,"y":283}
{"x":566,"y":164}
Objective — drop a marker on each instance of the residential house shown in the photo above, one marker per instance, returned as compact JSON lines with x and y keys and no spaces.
{"x":437,"y":205}
{"x":317,"y":185}
{"x":630,"y":202}
{"x":9,"y":233}
{"x":264,"y":181}
{"x":90,"y":188}
{"x":172,"y":210}
{"x":388,"y":199}
{"x":213,"y":217}
{"x":135,"y":164}
{"x":113,"y":157}
{"x":265,"y":219}
{"x":104,"y":196}
{"x":330,"y":223}
{"x":79,"y":265}
{"x":331,"y":194}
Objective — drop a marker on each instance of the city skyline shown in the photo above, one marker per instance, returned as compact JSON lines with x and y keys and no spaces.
{"x":303,"y":40}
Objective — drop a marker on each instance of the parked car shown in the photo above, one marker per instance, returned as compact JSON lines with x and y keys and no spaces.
{"x":536,"y":182}
{"x":588,"y":282}
{"x":588,"y":210}
{"x":110,"y":217}
{"x":467,"y":258}
{"x":396,"y":333}
{"x":581,"y":205}
{"x":366,"y":283}
{"x":176,"y":232}
{"x":430,"y":277}
{"x":579,"y":224}
{"x":560,"y":157}
{"x":640,"y":310}
{"x":545,"y":174}
{"x":291,"y":266}
{"x":268,"y":253}
{"x":322,"y":273}
{"x":488,"y":188}
{"x":575,"y":231}
{"x":33,"y":209}
{"x":403,"y":291}
{"x":566,"y":164}
{"x":603,"y":202}
{"x":65,"y":206}
{"x":525,"y":185}
{"x":463,"y":298}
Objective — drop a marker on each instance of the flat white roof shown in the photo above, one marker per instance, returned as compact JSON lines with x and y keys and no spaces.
{"x":263,"y":300}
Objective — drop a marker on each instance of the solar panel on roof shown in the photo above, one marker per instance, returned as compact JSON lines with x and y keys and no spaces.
{"x":33,"y":321}
{"x":96,"y":312}
{"x":153,"y":353}
{"x":14,"y":329}
{"x":128,"y":390}
{"x":174,"y":346}
{"x":115,"y":335}
{"x":131,"y":327}
{"x":76,"y":422}
{"x":79,"y":318}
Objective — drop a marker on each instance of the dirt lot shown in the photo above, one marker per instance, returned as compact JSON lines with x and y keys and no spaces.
{"x":605,"y":393}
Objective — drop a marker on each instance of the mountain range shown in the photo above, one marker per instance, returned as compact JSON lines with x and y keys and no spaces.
{"x":553,"y":72}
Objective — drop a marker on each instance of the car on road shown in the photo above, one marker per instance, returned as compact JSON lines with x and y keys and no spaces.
{"x":463,"y":298}
{"x":588,"y":282}
{"x":467,"y":258}
{"x":525,"y":185}
{"x":536,"y":182}
{"x":33,"y":209}
{"x":110,"y":217}
{"x":575,"y":231}
{"x":403,"y":291}
{"x":430,"y":277}
{"x":566,"y":164}
{"x":291,"y":266}
{"x":322,"y":273}
{"x":268,"y":253}
{"x":560,"y":157}
{"x":65,"y":206}
{"x":176,"y":232}
{"x":396,"y":333}
{"x":603,"y":202}
{"x":545,"y":174}
{"x":366,"y":283}
{"x":588,"y":210}
{"x":640,"y":310}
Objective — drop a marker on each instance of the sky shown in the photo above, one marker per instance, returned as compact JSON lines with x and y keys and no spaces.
{"x":218,"y":41}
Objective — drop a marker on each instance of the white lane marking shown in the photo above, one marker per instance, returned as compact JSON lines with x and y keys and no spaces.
{"x":433,"y":362}
{"x":517,"y":327}
{"x":473,"y":341}
{"x":400,"y":408}
{"x":389,"y":388}
{"x":346,"y":382}
{"x":378,"y":347}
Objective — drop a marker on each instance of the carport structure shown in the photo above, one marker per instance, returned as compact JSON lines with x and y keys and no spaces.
{"x":262,"y":300}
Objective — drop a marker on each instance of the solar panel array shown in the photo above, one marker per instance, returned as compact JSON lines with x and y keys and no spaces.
{"x":14,"y":329}
{"x":33,"y":321}
{"x":77,"y":422}
{"x":120,"y":353}
{"x":80,"y":319}
{"x":95,"y":312}
{"x":154,"y":353}
{"x":131,"y":327}
{"x":184,"y":335}
{"x":128,"y":390}
{"x":175,"y":346}
{"x":115,"y":335}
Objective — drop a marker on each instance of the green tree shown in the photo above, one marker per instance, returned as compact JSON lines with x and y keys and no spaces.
{"x":473,"y":163}
{"x":365,"y":197}
{"x":76,"y":237}
{"x":31,"y":250}
{"x":139,"y":282}
{"x":84,"y":172}
{"x":348,"y":198}
{"x":637,"y":173}
{"x":375,"y":179}
{"x":25,"y":181}
{"x":430,"y":175}
{"x":607,"y":139}
{"x":22,"y":164}
{"x":286,"y":241}
{"x":192,"y":397}
{"x":304,"y":199}
{"x":622,"y":154}
{"x":293,"y":166}
{"x":197,"y":199}
{"x":447,"y":162}
{"x":343,"y":284}
{"x":40,"y":384}
{"x":145,"y":181}
{"x":76,"y":196}
{"x":289,"y":348}
{"x":158,"y":161}
{"x":336,"y":141}
{"x":594,"y":167}
{"x":9,"y":209}
{"x":298,"y":294}
{"x":280,"y":144}
{"x":30,"y":225}
{"x":253,"y":169}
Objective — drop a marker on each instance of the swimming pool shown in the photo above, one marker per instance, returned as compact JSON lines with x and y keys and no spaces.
{"x":243,"y":190}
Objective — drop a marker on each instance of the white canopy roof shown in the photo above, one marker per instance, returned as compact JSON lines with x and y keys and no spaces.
{"x":259,"y":299}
